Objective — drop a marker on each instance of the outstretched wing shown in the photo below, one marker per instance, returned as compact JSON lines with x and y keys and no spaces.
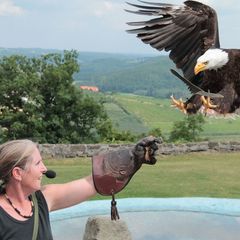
{"x":187,"y":31}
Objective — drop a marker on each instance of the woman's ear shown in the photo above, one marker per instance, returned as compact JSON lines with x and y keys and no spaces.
{"x":17,"y":173}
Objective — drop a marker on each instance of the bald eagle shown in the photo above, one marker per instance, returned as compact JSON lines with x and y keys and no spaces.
{"x":190,"y":33}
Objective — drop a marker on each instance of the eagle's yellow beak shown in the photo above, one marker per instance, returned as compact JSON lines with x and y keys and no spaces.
{"x":199,"y":68}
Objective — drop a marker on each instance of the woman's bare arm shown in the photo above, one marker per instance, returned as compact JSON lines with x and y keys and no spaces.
{"x":60,"y":196}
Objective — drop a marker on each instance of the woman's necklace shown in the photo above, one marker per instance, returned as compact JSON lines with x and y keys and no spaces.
{"x":17,"y":211}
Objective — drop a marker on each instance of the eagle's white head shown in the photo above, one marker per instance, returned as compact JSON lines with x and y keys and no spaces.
{"x":212,"y":59}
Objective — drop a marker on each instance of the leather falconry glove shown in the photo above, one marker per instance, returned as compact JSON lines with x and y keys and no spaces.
{"x":113,"y":170}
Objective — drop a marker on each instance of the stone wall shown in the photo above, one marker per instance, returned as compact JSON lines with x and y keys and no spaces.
{"x":88,"y":150}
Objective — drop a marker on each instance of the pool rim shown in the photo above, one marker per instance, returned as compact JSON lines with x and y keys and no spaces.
{"x":219,"y":206}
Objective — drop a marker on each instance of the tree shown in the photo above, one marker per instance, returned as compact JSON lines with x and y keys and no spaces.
{"x":39,"y":100}
{"x":188,"y":129}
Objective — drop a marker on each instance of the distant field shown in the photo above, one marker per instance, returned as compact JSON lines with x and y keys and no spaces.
{"x":187,"y":175}
{"x":125,"y":120}
{"x":140,"y":114}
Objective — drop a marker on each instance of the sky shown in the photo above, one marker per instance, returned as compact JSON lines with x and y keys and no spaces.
{"x":92,"y":25}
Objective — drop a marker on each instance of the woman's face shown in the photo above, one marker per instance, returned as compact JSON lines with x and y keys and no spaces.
{"x":32,"y":176}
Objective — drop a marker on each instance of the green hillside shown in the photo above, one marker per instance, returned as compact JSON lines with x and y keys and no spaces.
{"x":147,"y":75}
{"x":140,"y":113}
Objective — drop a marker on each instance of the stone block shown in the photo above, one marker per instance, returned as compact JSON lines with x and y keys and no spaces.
{"x":103,"y":228}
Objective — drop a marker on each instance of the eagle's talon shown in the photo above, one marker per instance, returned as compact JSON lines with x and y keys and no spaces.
{"x":179,"y":104}
{"x":207,"y":104}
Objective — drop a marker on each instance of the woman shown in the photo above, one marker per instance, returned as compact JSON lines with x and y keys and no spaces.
{"x":21,"y":171}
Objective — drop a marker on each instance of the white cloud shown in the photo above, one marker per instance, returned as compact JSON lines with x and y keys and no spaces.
{"x":105,"y":8}
{"x":8,"y":8}
{"x":109,"y":6}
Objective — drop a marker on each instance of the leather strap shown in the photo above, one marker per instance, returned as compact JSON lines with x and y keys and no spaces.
{"x":36,"y":217}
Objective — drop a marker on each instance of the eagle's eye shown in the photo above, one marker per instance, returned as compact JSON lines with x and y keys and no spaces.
{"x":206,"y":62}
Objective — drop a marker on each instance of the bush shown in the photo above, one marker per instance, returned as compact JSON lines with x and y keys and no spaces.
{"x":188,"y":129}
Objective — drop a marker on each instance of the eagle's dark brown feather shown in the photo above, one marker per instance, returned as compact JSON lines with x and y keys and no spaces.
{"x":179,"y":28}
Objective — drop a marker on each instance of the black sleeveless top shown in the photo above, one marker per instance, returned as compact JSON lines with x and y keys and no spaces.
{"x":12,"y":229}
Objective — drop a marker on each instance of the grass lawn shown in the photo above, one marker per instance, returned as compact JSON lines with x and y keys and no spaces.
{"x":189,"y":175}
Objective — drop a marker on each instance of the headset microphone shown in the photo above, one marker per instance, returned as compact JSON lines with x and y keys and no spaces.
{"x":50,"y":174}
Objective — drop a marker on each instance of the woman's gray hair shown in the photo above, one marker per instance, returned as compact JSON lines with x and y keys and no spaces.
{"x":15,"y":153}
